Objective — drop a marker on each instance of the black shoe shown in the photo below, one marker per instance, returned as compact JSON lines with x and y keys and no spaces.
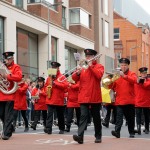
{"x":131,"y":135}
{"x":78,"y":139}
{"x":105,"y":124}
{"x":114,"y":133}
{"x":98,"y":140}
{"x":61,"y":132}
{"x":26,"y":129}
{"x":146,"y":131}
{"x":47,"y":131}
{"x":5,"y":137}
{"x":33,"y":127}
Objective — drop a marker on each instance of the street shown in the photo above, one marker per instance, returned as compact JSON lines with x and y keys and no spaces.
{"x":39,"y":140}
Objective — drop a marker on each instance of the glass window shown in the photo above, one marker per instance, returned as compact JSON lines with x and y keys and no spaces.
{"x":116,"y":34}
{"x":70,"y":61}
{"x":106,"y":34}
{"x":102,"y":30}
{"x":118,"y":56}
{"x":19,"y":3}
{"x":74,"y":16}
{"x":34,"y":1}
{"x":78,"y":16}
{"x":64,"y":17}
{"x":27,"y":49}
{"x":1,"y":36}
{"x":54,"y":48}
{"x":109,"y":64}
{"x":106,"y":7}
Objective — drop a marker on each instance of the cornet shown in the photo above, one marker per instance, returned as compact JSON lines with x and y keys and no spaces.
{"x":83,"y":64}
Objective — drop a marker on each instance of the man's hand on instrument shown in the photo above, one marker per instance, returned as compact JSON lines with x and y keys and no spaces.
{"x":79,"y":68}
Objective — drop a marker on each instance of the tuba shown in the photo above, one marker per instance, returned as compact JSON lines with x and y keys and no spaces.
{"x":109,"y":79}
{"x":4,"y":83}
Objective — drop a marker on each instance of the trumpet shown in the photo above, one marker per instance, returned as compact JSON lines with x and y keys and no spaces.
{"x":83,"y":64}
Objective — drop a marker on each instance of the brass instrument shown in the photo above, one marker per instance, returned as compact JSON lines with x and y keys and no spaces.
{"x":4,"y":83}
{"x":83,"y":64}
{"x":109,"y":79}
{"x":51,"y":72}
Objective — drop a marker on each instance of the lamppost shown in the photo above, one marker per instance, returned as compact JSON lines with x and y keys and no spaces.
{"x":49,"y":5}
{"x":131,"y":54}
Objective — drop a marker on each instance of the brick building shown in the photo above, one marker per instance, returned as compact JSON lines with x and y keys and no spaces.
{"x":131,"y":41}
{"x":40,"y":31}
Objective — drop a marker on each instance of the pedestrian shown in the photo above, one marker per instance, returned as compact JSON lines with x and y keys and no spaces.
{"x":89,"y":96}
{"x":55,"y":99}
{"x":142,"y":100}
{"x":125,"y":96}
{"x":20,"y":103}
{"x":7,"y":100}
{"x":72,"y":104}
{"x":39,"y":103}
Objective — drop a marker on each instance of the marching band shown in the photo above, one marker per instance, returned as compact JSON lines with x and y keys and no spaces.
{"x":83,"y":92}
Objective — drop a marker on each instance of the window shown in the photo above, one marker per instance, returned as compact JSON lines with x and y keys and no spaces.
{"x":64,"y":17}
{"x":109,"y":64}
{"x":19,"y":3}
{"x":106,"y":7}
{"x":78,"y":16}
{"x":34,"y":1}
{"x":27,"y":50}
{"x":54,"y":48}
{"x":70,"y":61}
{"x":116,"y":34}
{"x":1,"y":36}
{"x":106,"y":34}
{"x":118,"y":56}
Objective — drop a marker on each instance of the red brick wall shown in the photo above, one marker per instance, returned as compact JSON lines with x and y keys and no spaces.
{"x":87,"y":5}
{"x":42,"y":11}
{"x":131,"y":36}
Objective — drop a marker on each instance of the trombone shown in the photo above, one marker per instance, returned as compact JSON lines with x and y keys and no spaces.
{"x":83,"y":64}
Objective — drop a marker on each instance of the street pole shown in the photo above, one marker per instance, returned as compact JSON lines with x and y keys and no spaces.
{"x":48,"y":6}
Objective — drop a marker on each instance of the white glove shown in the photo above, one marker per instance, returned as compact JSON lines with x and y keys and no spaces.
{"x":121,"y":73}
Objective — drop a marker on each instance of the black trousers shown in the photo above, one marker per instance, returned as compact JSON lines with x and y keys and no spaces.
{"x":109,"y":108}
{"x":60,"y":115}
{"x":37,"y":114}
{"x":24,"y":116}
{"x":129,"y":112}
{"x":95,"y":112}
{"x":6,"y":115}
{"x":70,"y":113}
{"x":146,"y":112}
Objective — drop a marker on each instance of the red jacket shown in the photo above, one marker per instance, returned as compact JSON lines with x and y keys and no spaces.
{"x":89,"y":88}
{"x":41,"y":102}
{"x":124,"y":88}
{"x":20,"y":97}
{"x":73,"y":91}
{"x":15,"y":75}
{"x":142,"y":92}
{"x":58,"y":90}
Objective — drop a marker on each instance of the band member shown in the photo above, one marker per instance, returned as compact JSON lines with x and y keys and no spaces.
{"x":7,"y":100}
{"x":142,"y":100}
{"x":40,"y":103}
{"x":20,"y":103}
{"x":124,"y":88}
{"x":55,"y":100}
{"x":89,"y":95}
{"x":72,"y":103}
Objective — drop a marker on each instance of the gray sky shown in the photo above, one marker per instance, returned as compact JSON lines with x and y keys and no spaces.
{"x":145,"y":4}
